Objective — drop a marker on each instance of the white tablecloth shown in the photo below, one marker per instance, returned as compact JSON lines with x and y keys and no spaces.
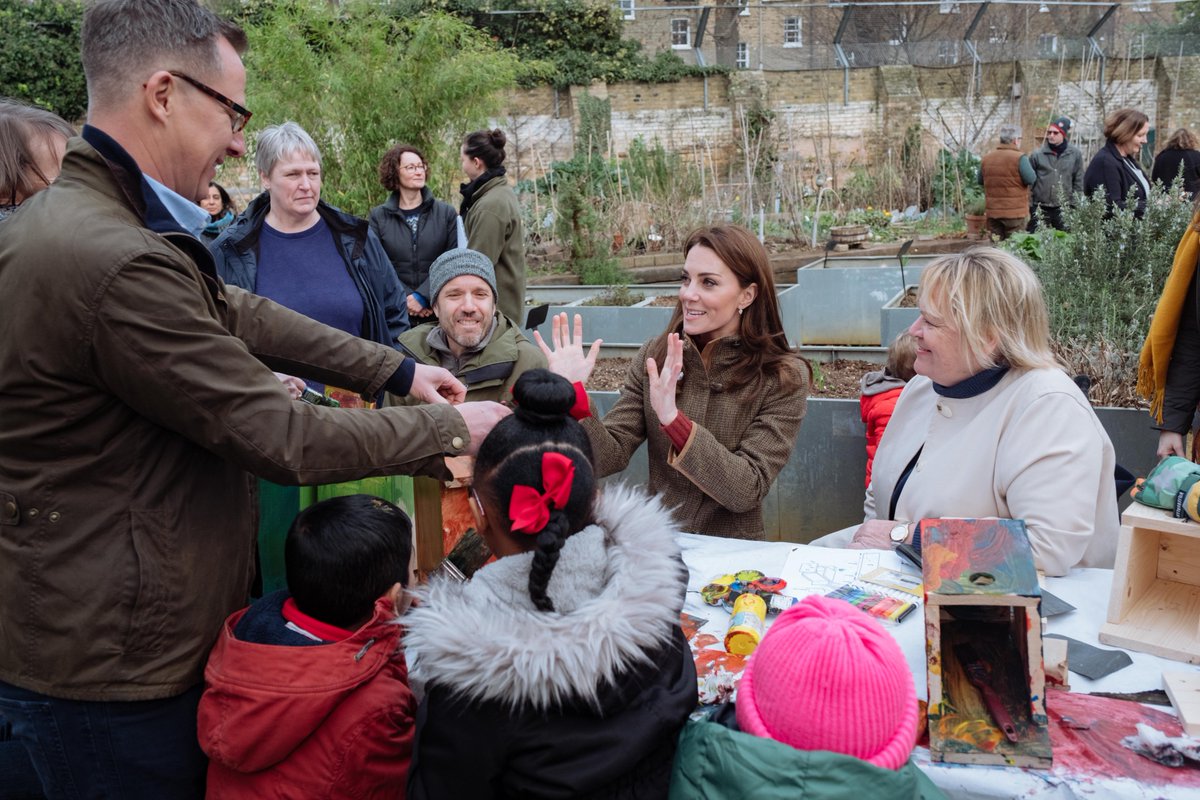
{"x":1086,"y":589}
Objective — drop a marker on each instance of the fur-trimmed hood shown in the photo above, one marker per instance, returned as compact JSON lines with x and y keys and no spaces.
{"x":617,"y":589}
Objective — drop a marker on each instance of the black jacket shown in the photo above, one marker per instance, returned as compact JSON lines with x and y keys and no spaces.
{"x":585,"y":701}
{"x":1112,"y":172}
{"x":1182,"y":392}
{"x":1166,"y":167}
{"x":436,"y":233}
{"x":385,"y":311}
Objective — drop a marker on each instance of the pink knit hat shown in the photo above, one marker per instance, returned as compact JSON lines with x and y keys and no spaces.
{"x":828,"y":677}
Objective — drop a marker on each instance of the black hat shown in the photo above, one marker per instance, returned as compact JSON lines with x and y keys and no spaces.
{"x":1063,"y":124}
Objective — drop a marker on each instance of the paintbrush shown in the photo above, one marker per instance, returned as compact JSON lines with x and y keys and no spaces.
{"x":469,"y":554}
{"x":978,"y":673}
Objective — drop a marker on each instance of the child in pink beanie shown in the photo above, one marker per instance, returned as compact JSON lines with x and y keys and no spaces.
{"x":826,"y":709}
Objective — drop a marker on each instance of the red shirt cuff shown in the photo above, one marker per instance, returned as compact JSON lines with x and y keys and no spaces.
{"x":581,"y":409}
{"x":679,"y":430}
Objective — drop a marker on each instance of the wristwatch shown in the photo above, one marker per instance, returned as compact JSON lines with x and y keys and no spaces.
{"x":899,"y":533}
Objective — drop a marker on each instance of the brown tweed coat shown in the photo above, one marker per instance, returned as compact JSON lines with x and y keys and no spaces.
{"x":740,"y":440}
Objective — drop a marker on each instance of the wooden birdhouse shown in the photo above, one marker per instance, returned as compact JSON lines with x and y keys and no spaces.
{"x":1155,"y":602}
{"x":987,"y":697}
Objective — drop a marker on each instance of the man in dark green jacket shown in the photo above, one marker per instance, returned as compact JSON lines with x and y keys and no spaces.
{"x":136,"y":394}
{"x":474,"y":341}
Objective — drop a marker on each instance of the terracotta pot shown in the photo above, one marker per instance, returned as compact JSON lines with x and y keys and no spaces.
{"x":976,"y":225}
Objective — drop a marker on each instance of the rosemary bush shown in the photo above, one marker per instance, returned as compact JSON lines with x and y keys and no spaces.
{"x":1102,"y":282}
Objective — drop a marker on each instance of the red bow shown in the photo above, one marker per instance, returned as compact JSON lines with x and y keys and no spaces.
{"x":528,"y":509}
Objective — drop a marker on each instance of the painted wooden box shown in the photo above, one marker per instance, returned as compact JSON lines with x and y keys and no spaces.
{"x":442,"y":518}
{"x":983,"y":631}
{"x":1155,"y":602}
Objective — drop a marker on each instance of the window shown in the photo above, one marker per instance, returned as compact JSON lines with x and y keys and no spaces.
{"x":949,"y":8}
{"x":745,"y":4}
{"x":627,"y":9}
{"x":1047,"y":44}
{"x":681,"y":33}
{"x":743,"y":55}
{"x":995,"y":35}
{"x":1141,"y":5}
{"x":947,"y":52}
{"x":792,"y":32}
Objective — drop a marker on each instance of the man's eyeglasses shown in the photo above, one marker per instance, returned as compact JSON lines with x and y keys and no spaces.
{"x":415,"y":168}
{"x":241,"y":115}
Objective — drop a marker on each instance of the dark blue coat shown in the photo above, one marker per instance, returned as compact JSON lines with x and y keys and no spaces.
{"x":386,"y":312}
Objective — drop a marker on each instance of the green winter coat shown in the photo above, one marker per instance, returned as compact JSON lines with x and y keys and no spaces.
{"x":493,"y":225}
{"x":488,"y":374}
{"x":716,"y":762}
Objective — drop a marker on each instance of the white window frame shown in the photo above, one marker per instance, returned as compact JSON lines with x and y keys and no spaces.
{"x":628,"y":8}
{"x":793,"y":32}
{"x":1140,"y":6}
{"x":1047,"y":43}
{"x":745,"y":4}
{"x":686,"y":24}
{"x":743,"y":55}
{"x":949,"y":8}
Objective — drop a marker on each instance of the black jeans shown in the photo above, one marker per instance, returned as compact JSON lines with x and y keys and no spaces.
{"x":83,"y":749}
{"x":1051,"y":214}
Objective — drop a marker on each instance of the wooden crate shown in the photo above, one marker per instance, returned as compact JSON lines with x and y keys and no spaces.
{"x":1154,"y":606}
{"x":981,"y":592}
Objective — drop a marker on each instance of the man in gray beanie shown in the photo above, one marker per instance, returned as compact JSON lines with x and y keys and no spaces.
{"x":1059,"y":167}
{"x":479,"y":345}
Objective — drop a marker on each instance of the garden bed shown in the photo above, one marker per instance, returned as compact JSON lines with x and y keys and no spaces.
{"x":830,"y":379}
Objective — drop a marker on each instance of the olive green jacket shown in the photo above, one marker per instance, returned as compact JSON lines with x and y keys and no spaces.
{"x":136,"y":399}
{"x":494,"y":228}
{"x":488,"y":374}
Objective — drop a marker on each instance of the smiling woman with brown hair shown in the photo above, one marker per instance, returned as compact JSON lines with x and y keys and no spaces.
{"x":718,"y":397}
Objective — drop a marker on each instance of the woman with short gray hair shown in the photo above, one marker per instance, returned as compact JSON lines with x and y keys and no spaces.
{"x":297,"y":250}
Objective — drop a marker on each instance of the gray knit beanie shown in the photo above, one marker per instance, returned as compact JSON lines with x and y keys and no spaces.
{"x":460,"y":261}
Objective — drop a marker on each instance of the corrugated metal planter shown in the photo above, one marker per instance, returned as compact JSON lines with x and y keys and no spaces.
{"x":895,"y":320}
{"x":820,"y":489}
{"x":842,"y":297}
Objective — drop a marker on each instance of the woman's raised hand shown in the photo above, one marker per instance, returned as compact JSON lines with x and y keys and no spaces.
{"x":662,"y":384}
{"x":567,"y":358}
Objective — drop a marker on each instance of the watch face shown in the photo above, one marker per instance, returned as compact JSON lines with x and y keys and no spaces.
{"x":899,"y":533}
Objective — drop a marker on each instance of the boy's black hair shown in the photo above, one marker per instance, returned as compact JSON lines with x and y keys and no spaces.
{"x":342,"y":554}
{"x":511,"y":455}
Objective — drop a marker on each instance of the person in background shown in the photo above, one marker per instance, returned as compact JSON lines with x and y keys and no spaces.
{"x":991,"y":426}
{"x":559,"y":670}
{"x":1169,"y":367}
{"x":414,"y":227}
{"x":220,"y":208}
{"x":129,"y":425}
{"x":1006,"y":175}
{"x":1058,"y":165}
{"x":1114,"y":169}
{"x":1179,"y":158}
{"x":293,"y":248}
{"x":718,"y":397}
{"x":308,"y":688}
{"x":32,"y":144}
{"x":826,"y":710}
{"x":470,"y":338}
{"x":492,"y":218}
{"x":881,"y":389}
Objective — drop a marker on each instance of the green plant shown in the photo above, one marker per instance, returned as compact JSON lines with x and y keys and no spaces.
{"x":615,"y":296}
{"x":336,"y":69}
{"x":41,"y":64}
{"x":955,"y":179}
{"x":974,"y":204}
{"x":601,"y":270}
{"x":1102,"y":283}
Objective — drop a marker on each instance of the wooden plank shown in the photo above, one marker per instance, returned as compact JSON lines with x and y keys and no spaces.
{"x":1015,"y":600}
{"x":1162,"y":622}
{"x":427,"y":520}
{"x":1179,"y":558}
{"x":1134,"y":571}
{"x":1184,"y":690}
{"x":1140,"y":516}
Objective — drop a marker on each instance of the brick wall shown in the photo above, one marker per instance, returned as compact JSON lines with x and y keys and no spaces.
{"x":952,"y":107}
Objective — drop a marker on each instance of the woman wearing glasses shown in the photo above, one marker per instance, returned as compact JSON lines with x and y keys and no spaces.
{"x":305,"y":254}
{"x":415,"y":228}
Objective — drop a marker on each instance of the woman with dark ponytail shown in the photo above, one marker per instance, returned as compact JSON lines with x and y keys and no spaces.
{"x":492,"y":218}
{"x":558,"y":670}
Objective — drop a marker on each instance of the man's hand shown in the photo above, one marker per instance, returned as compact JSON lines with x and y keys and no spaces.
{"x":436,"y":385}
{"x":1170,"y":444}
{"x":481,"y":417}
{"x":294,"y":385}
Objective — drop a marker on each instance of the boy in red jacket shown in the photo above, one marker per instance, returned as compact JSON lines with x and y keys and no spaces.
{"x":307,"y":690}
{"x":881,"y":389}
